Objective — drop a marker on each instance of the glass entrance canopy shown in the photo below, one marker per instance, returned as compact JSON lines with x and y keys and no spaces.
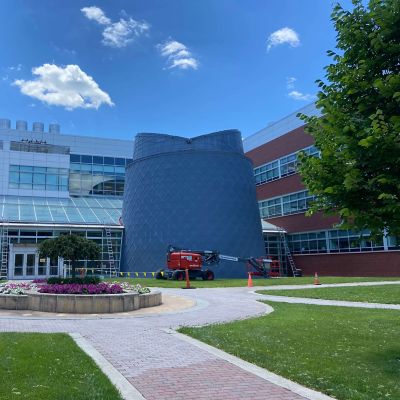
{"x":73,"y":210}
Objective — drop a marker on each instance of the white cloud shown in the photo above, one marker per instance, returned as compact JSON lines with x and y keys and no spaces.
{"x":178,"y":55}
{"x":184,"y":63}
{"x":281,"y":36}
{"x":96,"y":14}
{"x":290,"y":82}
{"x":116,"y":34}
{"x":172,"y":48}
{"x":67,"y":86}
{"x":121,"y":33}
{"x":15,"y":67}
{"x":296,"y":95}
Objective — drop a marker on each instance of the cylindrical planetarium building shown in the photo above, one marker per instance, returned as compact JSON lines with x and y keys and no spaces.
{"x":196,"y":193}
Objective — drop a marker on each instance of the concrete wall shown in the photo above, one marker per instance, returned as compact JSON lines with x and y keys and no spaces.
{"x":77,"y":144}
{"x":81,"y":304}
{"x":300,"y":223}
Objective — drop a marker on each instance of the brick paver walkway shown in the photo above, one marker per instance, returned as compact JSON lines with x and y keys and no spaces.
{"x":162,"y":366}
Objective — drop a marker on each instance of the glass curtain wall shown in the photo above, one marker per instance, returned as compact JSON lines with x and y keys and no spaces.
{"x":34,"y":236}
{"x":285,"y":205}
{"x":337,"y":241}
{"x":96,"y":175}
{"x":38,"y":178}
{"x":281,"y":167}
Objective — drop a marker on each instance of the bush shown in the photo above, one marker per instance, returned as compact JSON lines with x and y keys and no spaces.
{"x":87,"y":280}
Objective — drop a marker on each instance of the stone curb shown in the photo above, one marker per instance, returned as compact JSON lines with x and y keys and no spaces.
{"x":254,"y":369}
{"x":326,"y":285}
{"x":322,"y":302}
{"x":126,"y":389}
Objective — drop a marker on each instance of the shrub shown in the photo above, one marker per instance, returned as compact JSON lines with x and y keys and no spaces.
{"x":87,"y":280}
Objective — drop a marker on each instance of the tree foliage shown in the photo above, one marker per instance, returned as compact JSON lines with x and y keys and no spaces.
{"x":358,"y":173}
{"x":70,"y":247}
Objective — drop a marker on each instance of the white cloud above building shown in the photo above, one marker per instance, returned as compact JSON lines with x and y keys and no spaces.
{"x":66,"y":86}
{"x":116,"y":34}
{"x":296,"y":95}
{"x":177,"y":55}
{"x":283,"y":36}
{"x":96,"y":14}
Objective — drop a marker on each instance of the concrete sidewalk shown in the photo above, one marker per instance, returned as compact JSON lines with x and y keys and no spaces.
{"x":163,"y":366}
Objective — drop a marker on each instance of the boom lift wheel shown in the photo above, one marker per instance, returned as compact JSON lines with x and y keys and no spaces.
{"x":208,"y":275}
{"x":178,"y":276}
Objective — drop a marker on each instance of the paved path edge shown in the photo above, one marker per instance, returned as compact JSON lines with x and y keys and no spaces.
{"x":126,"y":389}
{"x":325,"y":302}
{"x":253,"y":369}
{"x":325,"y":285}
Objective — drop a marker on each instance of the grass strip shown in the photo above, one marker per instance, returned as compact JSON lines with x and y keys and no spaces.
{"x":39,"y":366}
{"x":386,"y":294}
{"x":351,"y":354}
{"x":218,"y":283}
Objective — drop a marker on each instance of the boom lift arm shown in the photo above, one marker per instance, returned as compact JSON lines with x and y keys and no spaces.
{"x":259,"y":267}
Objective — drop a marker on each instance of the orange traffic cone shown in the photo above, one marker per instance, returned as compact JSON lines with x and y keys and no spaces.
{"x":316,"y":279}
{"x":187,"y":279}
{"x":250,"y":281}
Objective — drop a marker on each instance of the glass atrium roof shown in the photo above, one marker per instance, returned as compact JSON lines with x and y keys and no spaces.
{"x":73,"y":210}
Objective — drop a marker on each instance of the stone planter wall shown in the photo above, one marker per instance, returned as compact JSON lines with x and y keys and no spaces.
{"x":150,"y":299}
{"x":14,"y":302}
{"x":80,"y":304}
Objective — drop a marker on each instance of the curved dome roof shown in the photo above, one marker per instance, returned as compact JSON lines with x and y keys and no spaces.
{"x":149,"y":144}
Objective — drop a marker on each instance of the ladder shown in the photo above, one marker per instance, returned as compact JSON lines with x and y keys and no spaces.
{"x":288,"y":255}
{"x":113,"y":271}
{"x":4,"y":251}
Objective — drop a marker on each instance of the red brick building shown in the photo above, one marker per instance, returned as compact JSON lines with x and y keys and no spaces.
{"x":315,"y":243}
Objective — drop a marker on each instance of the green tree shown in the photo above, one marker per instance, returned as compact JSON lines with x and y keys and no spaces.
{"x":70,"y":247}
{"x":358,"y":173}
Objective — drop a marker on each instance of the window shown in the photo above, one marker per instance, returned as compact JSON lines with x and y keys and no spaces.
{"x":297,"y":202}
{"x":332,"y":241}
{"x":33,"y":146}
{"x":97,"y":175}
{"x":290,"y":204}
{"x":282,"y":167}
{"x":267,"y":173}
{"x":38,"y":178}
{"x":288,"y":165}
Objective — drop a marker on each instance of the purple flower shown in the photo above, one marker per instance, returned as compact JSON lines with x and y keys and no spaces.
{"x":76,"y":288}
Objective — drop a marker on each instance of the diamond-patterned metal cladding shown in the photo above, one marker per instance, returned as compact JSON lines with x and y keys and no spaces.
{"x":194,"y":193}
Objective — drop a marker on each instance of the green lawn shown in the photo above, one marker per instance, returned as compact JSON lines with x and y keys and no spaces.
{"x":38,"y":366}
{"x":243,"y":282}
{"x":348,"y":353}
{"x":387,"y":294}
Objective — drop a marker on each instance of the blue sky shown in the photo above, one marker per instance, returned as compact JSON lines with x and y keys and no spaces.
{"x":185,"y":67}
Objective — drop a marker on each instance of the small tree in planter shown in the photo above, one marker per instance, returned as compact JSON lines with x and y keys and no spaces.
{"x":70,"y":247}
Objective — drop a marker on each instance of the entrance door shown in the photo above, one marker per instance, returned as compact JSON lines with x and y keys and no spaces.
{"x":25,"y":263}
{"x":18,"y":266}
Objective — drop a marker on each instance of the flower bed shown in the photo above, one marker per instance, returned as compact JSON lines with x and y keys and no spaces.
{"x":42,"y":286}
{"x":16,"y":288}
{"x":103,"y":297}
{"x":76,"y":288}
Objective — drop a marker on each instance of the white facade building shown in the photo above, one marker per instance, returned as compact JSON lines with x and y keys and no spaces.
{"x":52,"y":184}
